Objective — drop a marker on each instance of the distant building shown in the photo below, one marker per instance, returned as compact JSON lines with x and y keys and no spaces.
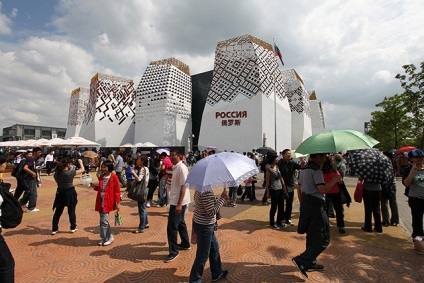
{"x":30,"y":132}
{"x":163,"y":97}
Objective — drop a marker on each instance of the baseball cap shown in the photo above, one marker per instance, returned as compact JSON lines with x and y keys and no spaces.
{"x":417,"y":153}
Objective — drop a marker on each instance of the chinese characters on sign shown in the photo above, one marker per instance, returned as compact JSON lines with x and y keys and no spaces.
{"x":230,"y":115}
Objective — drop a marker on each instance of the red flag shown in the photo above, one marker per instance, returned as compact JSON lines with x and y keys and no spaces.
{"x":277,"y":52}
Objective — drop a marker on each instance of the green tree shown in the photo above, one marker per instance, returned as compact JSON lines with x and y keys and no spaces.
{"x":413,"y":99}
{"x":391,"y":126}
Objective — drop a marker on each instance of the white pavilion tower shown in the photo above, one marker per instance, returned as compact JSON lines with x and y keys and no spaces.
{"x":163,"y":97}
{"x":110,"y":112}
{"x":77,"y":109}
{"x":247,"y":106}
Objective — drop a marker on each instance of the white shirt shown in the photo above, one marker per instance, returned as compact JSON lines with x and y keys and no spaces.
{"x":49,"y":157}
{"x":179,"y":177}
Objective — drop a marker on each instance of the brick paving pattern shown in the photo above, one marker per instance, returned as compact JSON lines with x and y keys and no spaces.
{"x":251,"y":251}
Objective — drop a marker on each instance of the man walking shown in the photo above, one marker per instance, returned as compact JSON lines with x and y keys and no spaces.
{"x":29,"y":182}
{"x":179,"y":197}
{"x":119,"y":166}
{"x":313,"y":220}
{"x":287,"y":169}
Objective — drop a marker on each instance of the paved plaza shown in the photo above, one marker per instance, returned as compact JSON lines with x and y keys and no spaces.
{"x":251,"y":251}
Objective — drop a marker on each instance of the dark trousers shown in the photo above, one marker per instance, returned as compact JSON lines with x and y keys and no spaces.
{"x":277,"y":205}
{"x":336,"y":199}
{"x":49,"y":167}
{"x":153,"y":183}
{"x":372,"y":209}
{"x":392,"y":202}
{"x":30,"y":194}
{"x":314,"y":222}
{"x":21,"y":187}
{"x":289,"y":206}
{"x":58,"y":213}
{"x":7,"y":263}
{"x":177,"y":225}
{"x":417,"y":211}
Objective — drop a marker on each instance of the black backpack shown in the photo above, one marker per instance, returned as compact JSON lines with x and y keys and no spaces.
{"x":11,"y":210}
{"x":19,"y":169}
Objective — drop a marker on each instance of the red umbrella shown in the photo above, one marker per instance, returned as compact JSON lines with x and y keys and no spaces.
{"x":404,"y":149}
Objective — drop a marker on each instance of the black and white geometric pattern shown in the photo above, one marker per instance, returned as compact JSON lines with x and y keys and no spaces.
{"x":372,"y":165}
{"x":243,"y":66}
{"x":296,"y":92}
{"x":78,"y":106}
{"x":164,"y":89}
{"x":111,"y":98}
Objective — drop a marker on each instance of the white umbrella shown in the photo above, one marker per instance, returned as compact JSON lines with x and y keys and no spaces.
{"x":127,"y":145}
{"x":149,"y":144}
{"x":160,"y":150}
{"x":78,"y":141}
{"x":43,"y":142}
{"x":56,"y":142}
{"x":27,"y":143}
{"x":225,"y":169}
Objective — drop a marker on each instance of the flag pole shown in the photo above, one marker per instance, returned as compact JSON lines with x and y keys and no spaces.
{"x":275,"y":107}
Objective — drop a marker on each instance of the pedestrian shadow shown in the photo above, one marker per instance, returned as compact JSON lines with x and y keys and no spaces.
{"x":71,"y":242}
{"x":237,"y":272}
{"x":136,"y":253}
{"x":30,"y":230}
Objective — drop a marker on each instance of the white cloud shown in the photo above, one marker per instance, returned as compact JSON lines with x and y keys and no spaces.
{"x":5,"y":22}
{"x":349,"y":51}
{"x":14,"y":13}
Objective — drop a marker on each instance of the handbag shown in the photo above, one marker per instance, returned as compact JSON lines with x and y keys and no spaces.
{"x":344,"y":194}
{"x":139,"y":190}
{"x":358,"y":192}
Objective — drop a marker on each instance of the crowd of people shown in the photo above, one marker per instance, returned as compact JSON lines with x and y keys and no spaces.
{"x":318,"y":182}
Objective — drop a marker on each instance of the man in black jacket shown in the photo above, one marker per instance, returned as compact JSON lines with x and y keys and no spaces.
{"x":287,"y":169}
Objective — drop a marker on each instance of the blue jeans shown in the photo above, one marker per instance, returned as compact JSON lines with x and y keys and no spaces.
{"x":142,"y":212}
{"x":7,"y":263}
{"x":177,"y":225}
{"x":105,"y":230}
{"x":207,"y":247}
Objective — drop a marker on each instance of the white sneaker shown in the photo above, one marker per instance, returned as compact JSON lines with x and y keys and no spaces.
{"x":148,"y":204}
{"x":54,"y":232}
{"x":33,"y":210}
{"x":26,"y":205}
{"x":74,"y":230}
{"x":107,"y":243}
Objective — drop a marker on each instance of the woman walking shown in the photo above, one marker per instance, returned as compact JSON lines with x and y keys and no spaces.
{"x":276,"y":190}
{"x":142,"y":176}
{"x":66,"y":195}
{"x":333,"y":195}
{"x":204,"y":220}
{"x":107,"y":200}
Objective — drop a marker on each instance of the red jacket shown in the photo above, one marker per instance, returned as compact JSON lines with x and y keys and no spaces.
{"x":112,"y":194}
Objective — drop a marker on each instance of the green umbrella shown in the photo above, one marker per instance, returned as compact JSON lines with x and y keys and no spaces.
{"x":336,"y":141}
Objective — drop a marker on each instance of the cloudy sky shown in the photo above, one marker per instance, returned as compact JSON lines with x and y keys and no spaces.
{"x":347,"y":51}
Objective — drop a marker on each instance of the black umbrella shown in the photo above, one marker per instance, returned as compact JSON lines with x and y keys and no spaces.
{"x":264,"y":150}
{"x":372,"y":165}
